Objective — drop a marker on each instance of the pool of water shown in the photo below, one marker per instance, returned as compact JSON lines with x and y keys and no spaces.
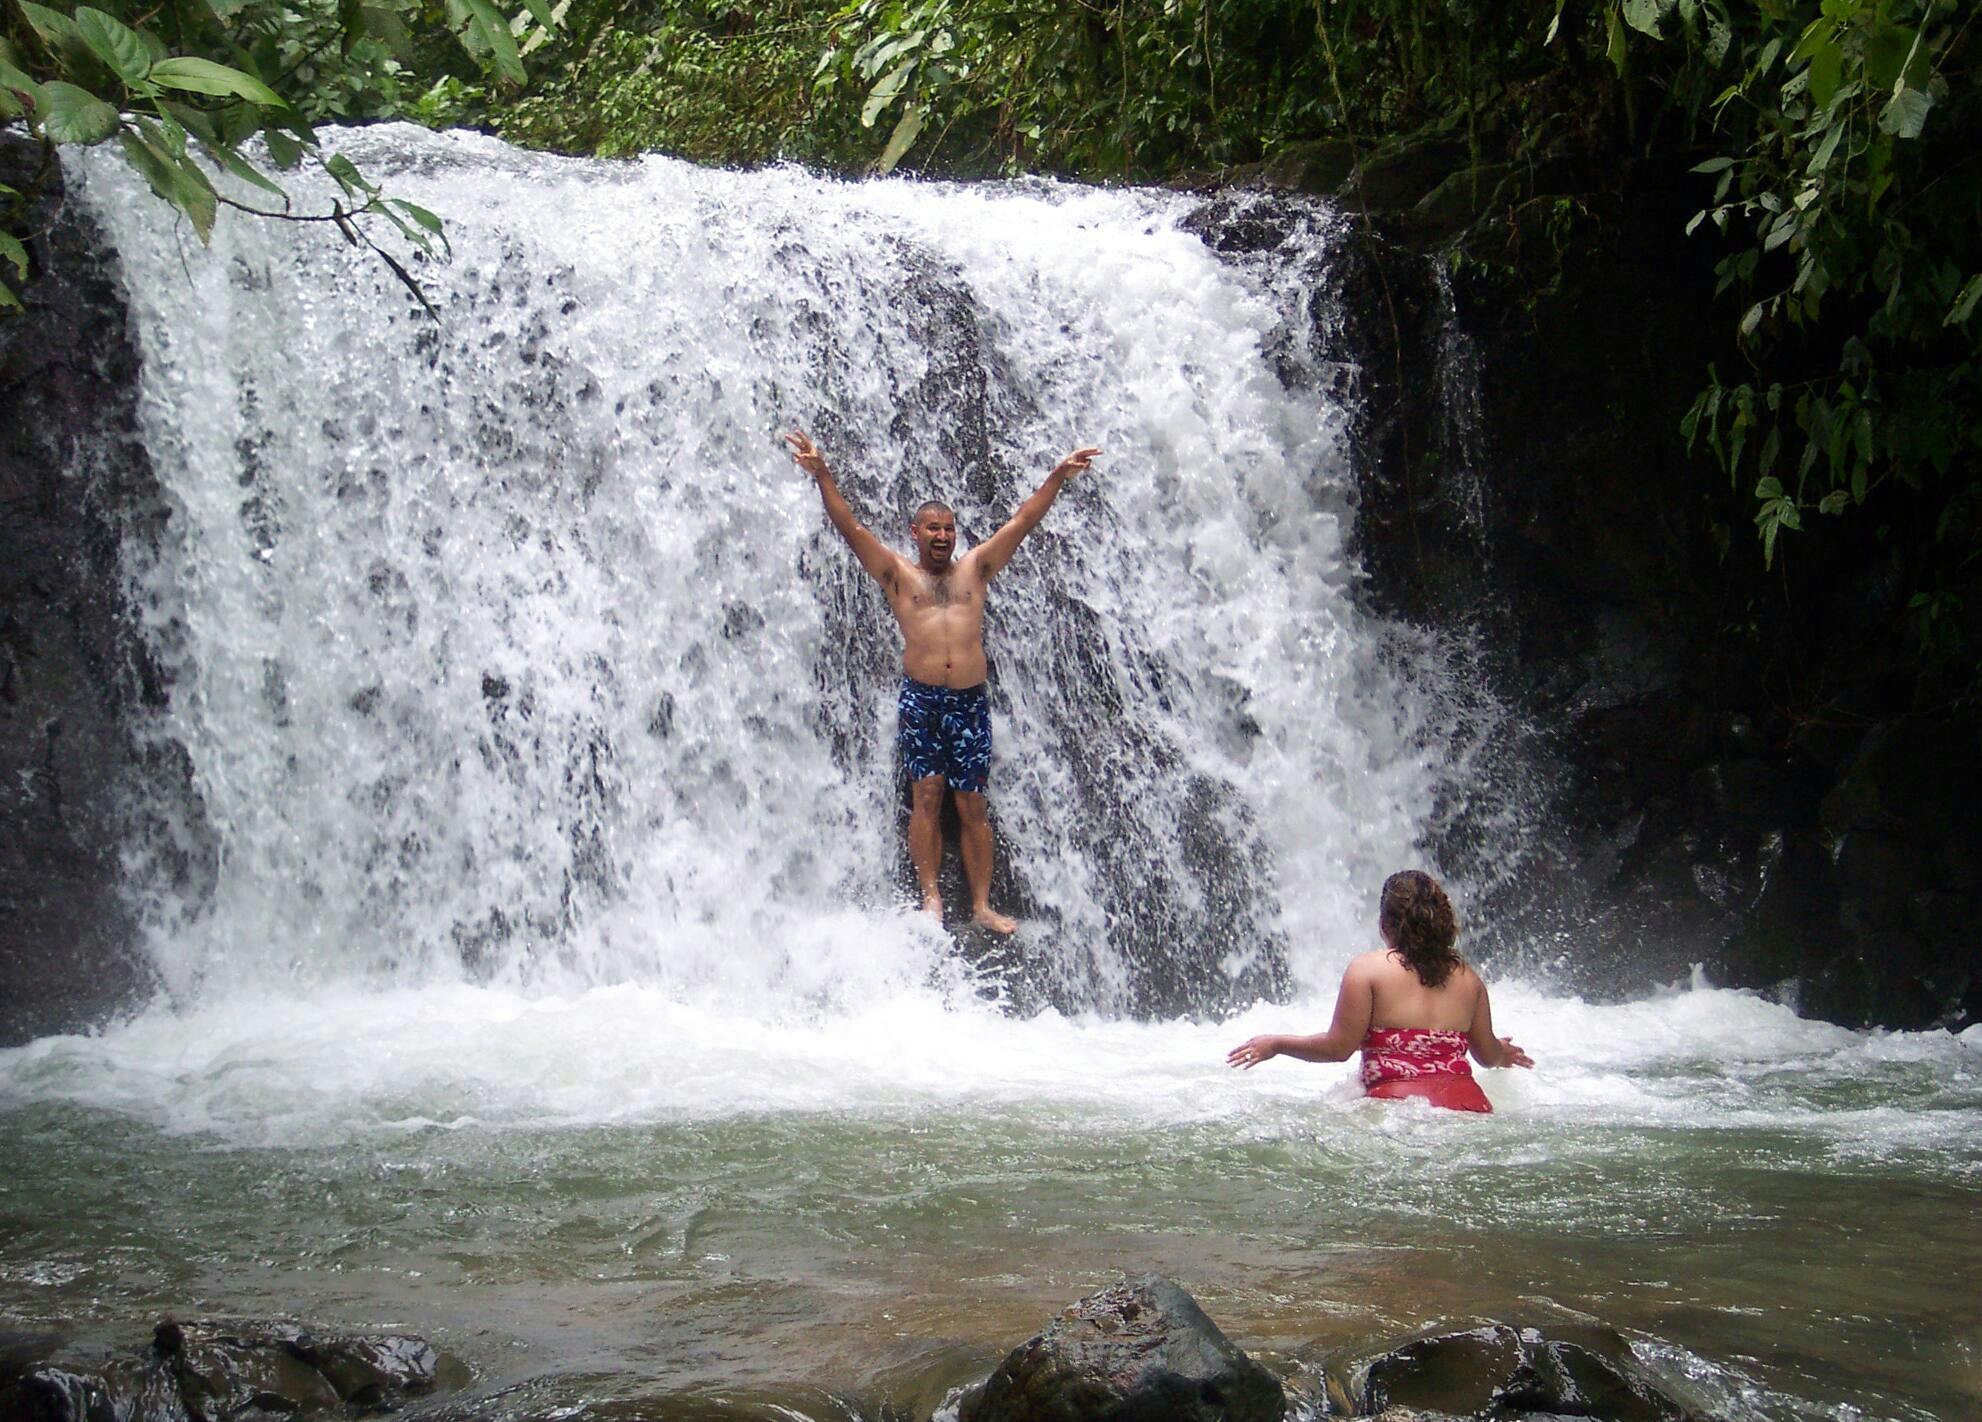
{"x":608,"y":1194}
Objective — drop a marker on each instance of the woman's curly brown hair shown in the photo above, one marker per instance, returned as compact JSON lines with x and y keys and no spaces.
{"x":1417,"y":921}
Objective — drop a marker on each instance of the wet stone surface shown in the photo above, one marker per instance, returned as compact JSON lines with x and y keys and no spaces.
{"x":217,"y":1371}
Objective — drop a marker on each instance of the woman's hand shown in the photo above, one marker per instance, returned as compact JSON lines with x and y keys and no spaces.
{"x":1250,"y":1054}
{"x":1511,"y":1055}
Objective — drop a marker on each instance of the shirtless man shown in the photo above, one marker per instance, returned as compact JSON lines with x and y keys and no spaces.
{"x":944,"y":726}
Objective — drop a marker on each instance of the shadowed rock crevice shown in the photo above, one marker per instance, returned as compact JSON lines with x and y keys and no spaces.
{"x":85,"y":787}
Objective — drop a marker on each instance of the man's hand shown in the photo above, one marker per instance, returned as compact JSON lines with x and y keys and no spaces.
{"x":806,"y":455}
{"x":1075,"y":463}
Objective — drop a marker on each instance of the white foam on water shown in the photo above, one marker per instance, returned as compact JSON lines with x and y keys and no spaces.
{"x":349,"y":1061}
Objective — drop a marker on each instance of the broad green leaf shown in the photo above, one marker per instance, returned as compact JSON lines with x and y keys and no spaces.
{"x":284,"y":151}
{"x":420,"y":215}
{"x":347,"y":175}
{"x":13,"y":251}
{"x":1964,"y":304}
{"x":237,"y":122}
{"x":1835,"y":502}
{"x":411,"y":234}
{"x":1614,"y":39}
{"x":70,"y":114}
{"x":1820,"y":31}
{"x":1713,"y":165}
{"x":1905,"y":114}
{"x":12,"y":78}
{"x":1826,"y":70}
{"x":898,"y":142}
{"x":1720,"y":35}
{"x":385,"y":25}
{"x":1644,"y":16}
{"x":1769,"y":488}
{"x":54,"y":27}
{"x":197,"y":122}
{"x":885,"y":92}
{"x":1889,"y":51}
{"x":1554,"y":24}
{"x":540,"y":11}
{"x":298,"y":126}
{"x":493,"y":31}
{"x":17,"y":91}
{"x":116,"y":44}
{"x":203,"y":76}
{"x":172,"y":181}
{"x":222,"y":152}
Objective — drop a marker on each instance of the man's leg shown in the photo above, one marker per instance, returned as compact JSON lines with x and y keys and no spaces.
{"x":975,"y":842}
{"x":925,"y":839}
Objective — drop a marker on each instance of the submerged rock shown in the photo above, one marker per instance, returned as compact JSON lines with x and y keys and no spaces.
{"x":1501,"y":1372}
{"x":1130,"y":1352}
{"x":216,"y":1372}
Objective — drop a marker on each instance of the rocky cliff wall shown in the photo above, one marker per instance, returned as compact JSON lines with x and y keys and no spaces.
{"x":75,"y":679}
{"x":1736,"y":769}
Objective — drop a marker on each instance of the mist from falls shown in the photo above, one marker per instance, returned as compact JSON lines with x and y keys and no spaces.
{"x":512,"y":646}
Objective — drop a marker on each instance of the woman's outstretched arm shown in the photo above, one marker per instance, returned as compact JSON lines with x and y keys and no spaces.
{"x":1354,"y":1003}
{"x":1487,"y":1049}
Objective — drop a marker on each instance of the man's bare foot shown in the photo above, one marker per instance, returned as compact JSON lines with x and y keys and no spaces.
{"x":990,"y":918}
{"x":932,"y":904}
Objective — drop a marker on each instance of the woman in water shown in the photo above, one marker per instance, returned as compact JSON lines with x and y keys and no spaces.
{"x":1413,"y":1010}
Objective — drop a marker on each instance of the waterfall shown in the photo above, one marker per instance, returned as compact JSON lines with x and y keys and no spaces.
{"x":510,"y":646}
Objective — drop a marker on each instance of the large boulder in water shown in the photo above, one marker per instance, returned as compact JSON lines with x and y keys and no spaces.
{"x":1134,"y":1352}
{"x":207,"y":1372}
{"x":1501,"y":1372}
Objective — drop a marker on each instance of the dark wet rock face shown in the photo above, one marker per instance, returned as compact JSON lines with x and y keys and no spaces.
{"x":1713,"y":771}
{"x":1141,"y":1352}
{"x":1501,"y":1372}
{"x":80,"y":783}
{"x":218,"y":1372}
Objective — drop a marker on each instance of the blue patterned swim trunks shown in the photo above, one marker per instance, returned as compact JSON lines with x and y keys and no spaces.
{"x":946,"y":731}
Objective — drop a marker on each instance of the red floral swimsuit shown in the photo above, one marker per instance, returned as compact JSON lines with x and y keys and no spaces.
{"x":1415,"y":1061}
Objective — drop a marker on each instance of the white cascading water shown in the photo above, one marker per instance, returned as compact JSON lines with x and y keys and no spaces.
{"x":513,"y":644}
{"x":533,"y":933}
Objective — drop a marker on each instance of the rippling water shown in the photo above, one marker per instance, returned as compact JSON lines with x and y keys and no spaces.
{"x":610,"y":1194}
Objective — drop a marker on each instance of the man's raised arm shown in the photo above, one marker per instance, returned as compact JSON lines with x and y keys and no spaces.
{"x":873,"y":554}
{"x":997,"y":550}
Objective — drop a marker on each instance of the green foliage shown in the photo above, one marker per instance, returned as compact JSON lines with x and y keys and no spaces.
{"x":183,"y":87}
{"x":708,"y":80}
{"x":1836,"y":143}
{"x":1858,"y":281}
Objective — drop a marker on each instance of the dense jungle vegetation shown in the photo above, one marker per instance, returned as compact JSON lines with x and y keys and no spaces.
{"x":1834,"y":145}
